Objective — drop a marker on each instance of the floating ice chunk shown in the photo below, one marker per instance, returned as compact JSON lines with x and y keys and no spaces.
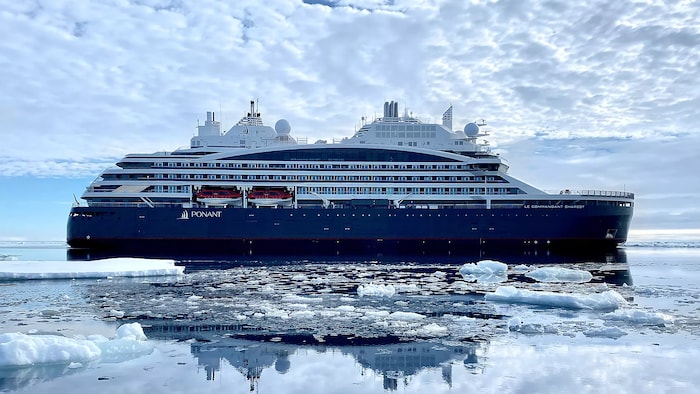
{"x":557,"y":274}
{"x":376,"y":314}
{"x":131,"y":331}
{"x":107,"y":268}
{"x":273,"y":312}
{"x":485,"y":271}
{"x":328,"y":313}
{"x":521,"y":268}
{"x":517,"y":325}
{"x":636,"y":316}
{"x":605,"y":332}
{"x":405,"y":316}
{"x":373,"y":290}
{"x":407,"y":288}
{"x":607,"y":300}
{"x":432,"y":330}
{"x":130,"y":342}
{"x":531,"y":328}
{"x":116,"y":313}
{"x":293,"y":298}
{"x":302,"y":314}
{"x":18,"y":349}
{"x":483,"y":267}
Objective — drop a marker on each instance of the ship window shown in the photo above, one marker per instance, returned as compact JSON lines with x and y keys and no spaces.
{"x":343,"y":154}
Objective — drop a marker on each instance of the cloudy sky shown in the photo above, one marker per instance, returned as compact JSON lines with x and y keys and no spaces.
{"x":577,"y":94}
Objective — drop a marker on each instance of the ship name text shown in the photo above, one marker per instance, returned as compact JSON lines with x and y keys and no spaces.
{"x":205,"y":214}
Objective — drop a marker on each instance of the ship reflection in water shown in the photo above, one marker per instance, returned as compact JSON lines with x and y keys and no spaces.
{"x":394,"y":360}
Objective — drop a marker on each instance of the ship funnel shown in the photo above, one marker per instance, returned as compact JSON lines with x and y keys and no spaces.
{"x":391,"y":109}
{"x":209,"y":116}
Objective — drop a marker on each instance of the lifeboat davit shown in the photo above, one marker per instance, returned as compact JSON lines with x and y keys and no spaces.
{"x":219,"y":197}
{"x":270,"y":198}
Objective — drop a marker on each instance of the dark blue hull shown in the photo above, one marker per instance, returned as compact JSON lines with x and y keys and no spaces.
{"x":347,"y":230}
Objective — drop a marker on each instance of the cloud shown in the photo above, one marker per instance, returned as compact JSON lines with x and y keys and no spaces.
{"x":594,"y":94}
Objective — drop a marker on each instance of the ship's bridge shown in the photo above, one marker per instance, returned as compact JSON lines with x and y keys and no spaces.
{"x":406,"y":130}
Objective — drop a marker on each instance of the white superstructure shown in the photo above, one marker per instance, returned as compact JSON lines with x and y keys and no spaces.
{"x":394,"y":160}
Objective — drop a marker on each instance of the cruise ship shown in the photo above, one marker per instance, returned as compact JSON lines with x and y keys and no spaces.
{"x":397,"y":184}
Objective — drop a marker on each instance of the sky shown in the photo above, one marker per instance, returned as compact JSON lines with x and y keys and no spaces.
{"x":577,"y":94}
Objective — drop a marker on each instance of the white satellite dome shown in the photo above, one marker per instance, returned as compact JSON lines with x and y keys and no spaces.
{"x":282,"y":127}
{"x":471,"y":129}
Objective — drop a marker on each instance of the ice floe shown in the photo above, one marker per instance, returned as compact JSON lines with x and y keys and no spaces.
{"x":376,"y":290}
{"x":605,"y":332}
{"x":483,"y":267}
{"x":558,"y":274}
{"x":19,"y":350}
{"x":485,"y":271}
{"x":636,"y":316}
{"x":97,"y":269}
{"x":609,"y":299}
{"x":405,"y":316}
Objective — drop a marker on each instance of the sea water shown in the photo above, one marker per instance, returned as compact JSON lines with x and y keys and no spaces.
{"x":626,"y":321}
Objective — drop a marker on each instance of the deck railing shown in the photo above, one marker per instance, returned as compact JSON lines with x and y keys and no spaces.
{"x":597,"y":193}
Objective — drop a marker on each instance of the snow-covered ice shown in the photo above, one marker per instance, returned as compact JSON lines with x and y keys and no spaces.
{"x":483,"y":267}
{"x":485,"y":271}
{"x":18,"y":349}
{"x":558,"y":274}
{"x":107,"y":268}
{"x":641,"y":317}
{"x":609,"y":299}
{"x":605,"y":332}
{"x":376,"y":290}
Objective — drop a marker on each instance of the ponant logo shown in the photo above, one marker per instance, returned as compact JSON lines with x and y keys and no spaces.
{"x":205,"y":214}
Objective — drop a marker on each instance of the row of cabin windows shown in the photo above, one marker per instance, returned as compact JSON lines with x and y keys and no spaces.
{"x":330,"y":178}
{"x":408,"y":190}
{"x":391,"y":134}
{"x":343,"y":154}
{"x":372,"y":190}
{"x":405,"y":128}
{"x":287,"y":166}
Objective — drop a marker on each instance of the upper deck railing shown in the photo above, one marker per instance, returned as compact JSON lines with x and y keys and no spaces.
{"x":598,"y":193}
